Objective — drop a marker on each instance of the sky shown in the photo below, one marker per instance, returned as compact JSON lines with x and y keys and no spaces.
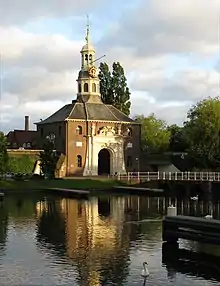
{"x":169,"y":50}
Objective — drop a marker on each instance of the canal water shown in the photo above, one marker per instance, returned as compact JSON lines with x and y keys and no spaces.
{"x":48,"y":240}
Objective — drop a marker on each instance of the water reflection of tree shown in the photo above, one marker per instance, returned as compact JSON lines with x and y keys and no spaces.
{"x":3,"y":227}
{"x":51,"y":229}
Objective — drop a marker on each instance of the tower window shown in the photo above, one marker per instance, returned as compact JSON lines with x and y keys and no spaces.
{"x":93,"y":87}
{"x":79,"y":88}
{"x":129,"y":132}
{"x":86,"y":57}
{"x":86,"y":87}
{"x":79,"y":161}
{"x":129,"y":161}
{"x":79,"y":130}
{"x":90,"y":58}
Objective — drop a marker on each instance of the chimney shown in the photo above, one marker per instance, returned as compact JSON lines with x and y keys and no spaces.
{"x":26,"y":127}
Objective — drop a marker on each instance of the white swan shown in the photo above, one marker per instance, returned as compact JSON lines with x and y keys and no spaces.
{"x":208,"y":216}
{"x":145,"y":273}
{"x":195,"y":198}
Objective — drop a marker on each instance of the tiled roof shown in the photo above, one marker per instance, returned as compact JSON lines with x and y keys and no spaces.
{"x":90,"y":111}
{"x":22,"y":136}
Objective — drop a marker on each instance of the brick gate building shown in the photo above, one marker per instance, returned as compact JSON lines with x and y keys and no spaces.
{"x":94,"y":138}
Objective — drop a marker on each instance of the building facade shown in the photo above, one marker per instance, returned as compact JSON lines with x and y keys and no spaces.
{"x":95,"y":138}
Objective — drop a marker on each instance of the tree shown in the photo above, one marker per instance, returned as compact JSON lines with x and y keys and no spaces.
{"x":3,"y":154}
{"x":154,"y":133}
{"x":106,"y":84}
{"x":203,"y":133}
{"x":113,"y":87}
{"x":48,"y":158}
{"x":177,"y":139}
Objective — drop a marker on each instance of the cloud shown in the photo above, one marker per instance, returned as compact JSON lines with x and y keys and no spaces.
{"x":158,"y":27}
{"x":20,"y":11}
{"x":183,"y":86}
{"x":167,"y":48}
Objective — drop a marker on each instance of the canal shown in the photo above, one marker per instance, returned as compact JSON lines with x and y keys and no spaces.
{"x":47,"y":240}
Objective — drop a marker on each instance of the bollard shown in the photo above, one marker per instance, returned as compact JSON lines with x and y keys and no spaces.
{"x":172,"y":211}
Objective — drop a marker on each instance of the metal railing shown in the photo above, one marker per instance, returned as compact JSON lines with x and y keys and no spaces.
{"x":170,"y":176}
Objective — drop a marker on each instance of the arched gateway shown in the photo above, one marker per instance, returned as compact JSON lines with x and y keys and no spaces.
{"x":104,"y":162}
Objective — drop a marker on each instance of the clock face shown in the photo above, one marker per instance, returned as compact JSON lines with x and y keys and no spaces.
{"x":92,"y":71}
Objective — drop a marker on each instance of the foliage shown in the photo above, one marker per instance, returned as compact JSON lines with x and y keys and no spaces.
{"x":178,"y":141}
{"x":154,"y":133}
{"x":113,"y":87}
{"x":3,"y":154}
{"x":105,"y":84}
{"x":21,"y":163}
{"x":48,"y":158}
{"x":203,"y":133}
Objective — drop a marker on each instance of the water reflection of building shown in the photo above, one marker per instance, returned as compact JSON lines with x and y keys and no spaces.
{"x":94,"y":237}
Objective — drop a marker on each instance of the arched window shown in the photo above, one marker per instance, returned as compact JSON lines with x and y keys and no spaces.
{"x":79,"y":130}
{"x":129,"y":132}
{"x":93,"y":87}
{"x":79,"y":161}
{"x":86,"y":87}
{"x":86,"y":57}
{"x":90,"y":58}
{"x":79,"y":88}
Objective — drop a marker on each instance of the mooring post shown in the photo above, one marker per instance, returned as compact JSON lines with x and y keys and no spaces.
{"x":172,"y":211}
{"x":169,"y":230}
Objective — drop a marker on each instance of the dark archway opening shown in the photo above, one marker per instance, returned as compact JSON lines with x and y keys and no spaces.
{"x":104,"y":162}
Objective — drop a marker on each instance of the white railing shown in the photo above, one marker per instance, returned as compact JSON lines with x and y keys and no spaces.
{"x":170,"y":176}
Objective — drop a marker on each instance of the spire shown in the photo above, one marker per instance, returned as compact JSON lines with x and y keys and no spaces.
{"x":87,"y":30}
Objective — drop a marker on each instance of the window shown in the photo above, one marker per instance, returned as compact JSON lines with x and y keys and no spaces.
{"x":79,"y":130}
{"x":79,"y":88}
{"x":79,"y":161}
{"x":129,"y":161}
{"x":28,"y":145}
{"x":86,"y":57}
{"x":86,"y":87}
{"x":129,"y":132}
{"x":93,"y":87}
{"x":90,"y":58}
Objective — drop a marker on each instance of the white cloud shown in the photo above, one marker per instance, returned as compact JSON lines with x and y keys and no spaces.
{"x":20,"y":11}
{"x":159,"y":27}
{"x":147,"y":41}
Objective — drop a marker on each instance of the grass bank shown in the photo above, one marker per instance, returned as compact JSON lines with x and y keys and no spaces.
{"x":76,"y":183}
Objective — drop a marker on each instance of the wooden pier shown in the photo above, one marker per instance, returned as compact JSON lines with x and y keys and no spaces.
{"x":191,"y":228}
{"x":71,"y":192}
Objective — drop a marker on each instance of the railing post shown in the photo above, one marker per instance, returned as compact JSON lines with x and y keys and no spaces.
{"x":169,"y":176}
{"x":118,"y":176}
{"x":128,"y":177}
{"x":158,"y":175}
{"x":138,"y":177}
{"x":182,"y":175}
{"x":194,"y":176}
{"x":175,"y":176}
{"x":188,"y":175}
{"x":164,"y":176}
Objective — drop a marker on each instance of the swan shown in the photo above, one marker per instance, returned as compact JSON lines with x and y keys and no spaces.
{"x":194,"y":198}
{"x":208,"y":216}
{"x":145,"y":273}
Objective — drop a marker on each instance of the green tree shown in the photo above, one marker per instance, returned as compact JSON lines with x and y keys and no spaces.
{"x":113,"y":87}
{"x":155,"y":136}
{"x":3,"y":154}
{"x":106,"y":84}
{"x":178,"y":141}
{"x":203,"y":133}
{"x":48,"y":158}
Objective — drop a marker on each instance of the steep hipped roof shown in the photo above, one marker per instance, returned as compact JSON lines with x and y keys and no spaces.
{"x":89,"y":111}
